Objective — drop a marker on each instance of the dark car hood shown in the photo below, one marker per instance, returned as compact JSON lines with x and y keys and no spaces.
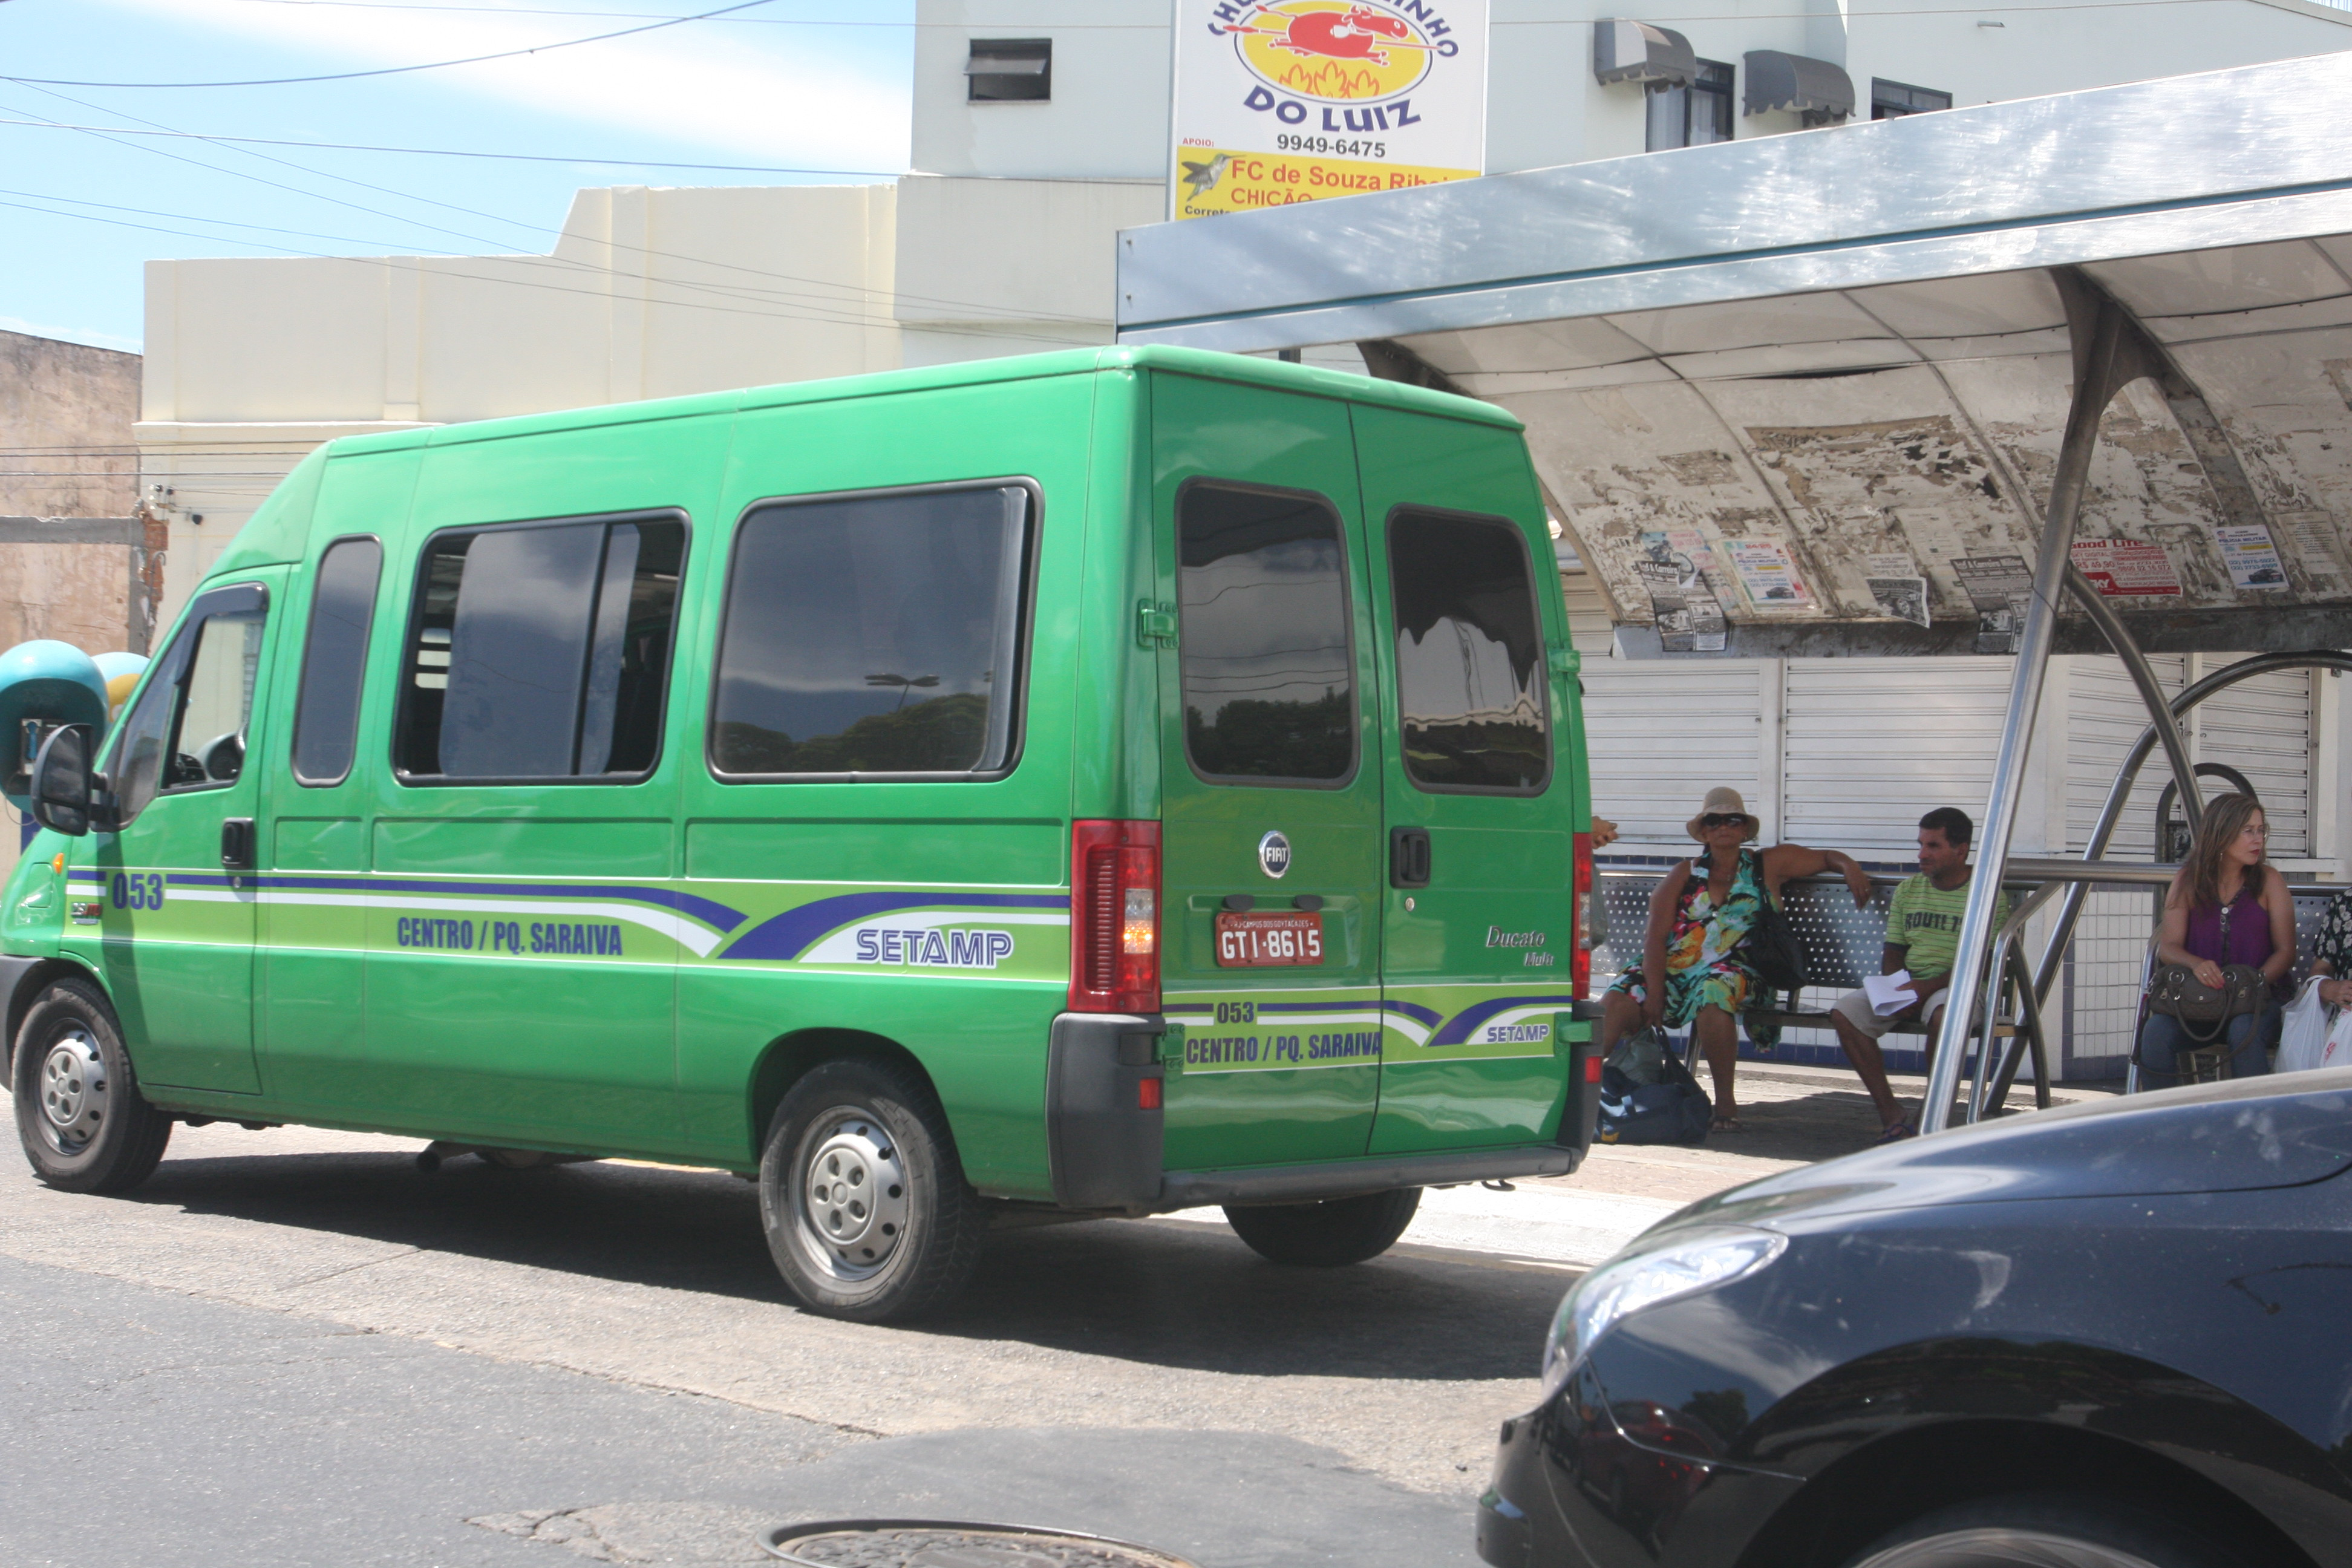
{"x":2207,"y":1138}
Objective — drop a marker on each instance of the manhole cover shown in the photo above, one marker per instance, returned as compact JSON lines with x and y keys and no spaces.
{"x":932,"y":1543}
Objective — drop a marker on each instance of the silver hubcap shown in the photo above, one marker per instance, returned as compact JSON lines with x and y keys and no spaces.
{"x":73,"y":1091}
{"x":2001,"y":1547}
{"x":853,"y":1198}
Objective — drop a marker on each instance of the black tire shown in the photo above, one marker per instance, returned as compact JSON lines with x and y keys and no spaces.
{"x":84,"y":1125}
{"x":1328,"y":1235}
{"x":2029,"y":1530}
{"x":867,"y":1214}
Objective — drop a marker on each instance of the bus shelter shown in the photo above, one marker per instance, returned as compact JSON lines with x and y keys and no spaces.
{"x":2069,"y":375}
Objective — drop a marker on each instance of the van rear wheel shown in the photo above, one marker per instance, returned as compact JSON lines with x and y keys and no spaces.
{"x":1328,"y":1235}
{"x":84,"y":1125}
{"x":868,"y":1212}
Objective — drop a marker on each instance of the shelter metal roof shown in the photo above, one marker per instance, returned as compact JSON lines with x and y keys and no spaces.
{"x":1824,"y":347}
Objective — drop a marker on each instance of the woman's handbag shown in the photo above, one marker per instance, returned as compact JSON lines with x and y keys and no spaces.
{"x":1773,"y":949}
{"x":2204,"y":1011}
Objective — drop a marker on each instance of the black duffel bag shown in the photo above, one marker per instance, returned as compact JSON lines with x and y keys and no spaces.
{"x":1647,"y":1096}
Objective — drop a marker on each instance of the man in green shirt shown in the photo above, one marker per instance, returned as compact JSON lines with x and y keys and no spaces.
{"x":1923,"y":932}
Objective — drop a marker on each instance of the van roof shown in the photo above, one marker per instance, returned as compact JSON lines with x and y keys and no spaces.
{"x":974,"y":372}
{"x":280,"y":528}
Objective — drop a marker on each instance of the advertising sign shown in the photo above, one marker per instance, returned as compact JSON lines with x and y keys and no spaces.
{"x":1279,"y":101}
{"x":2126,"y":568}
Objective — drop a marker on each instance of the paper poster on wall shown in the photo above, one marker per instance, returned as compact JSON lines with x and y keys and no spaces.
{"x":2000,"y":587}
{"x":2251,"y":558}
{"x":1681,"y":604}
{"x":2126,"y":568}
{"x":1767,"y":575}
{"x":2319,"y":541}
{"x":1897,"y":586}
{"x":1280,"y":102}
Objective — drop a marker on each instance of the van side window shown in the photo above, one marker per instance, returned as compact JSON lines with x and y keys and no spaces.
{"x":1269,"y":672}
{"x":874,"y":634}
{"x":334,"y":659}
{"x":1470,"y":654}
{"x":541,"y":651}
{"x":188,"y":730}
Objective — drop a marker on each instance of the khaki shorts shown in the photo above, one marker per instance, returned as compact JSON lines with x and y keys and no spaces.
{"x":1856,"y":1007}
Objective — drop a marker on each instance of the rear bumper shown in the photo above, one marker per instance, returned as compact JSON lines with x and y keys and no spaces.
{"x":1348,"y":1178}
{"x":1105,"y":1134}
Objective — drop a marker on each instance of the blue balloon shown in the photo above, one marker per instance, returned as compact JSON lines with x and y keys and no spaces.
{"x":53,"y":682}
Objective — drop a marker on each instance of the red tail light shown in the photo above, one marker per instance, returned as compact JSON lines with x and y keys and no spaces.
{"x":1115,"y":917}
{"x":1580,"y":937}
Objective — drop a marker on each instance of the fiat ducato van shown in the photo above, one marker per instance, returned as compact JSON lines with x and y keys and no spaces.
{"x":1091,"y":785}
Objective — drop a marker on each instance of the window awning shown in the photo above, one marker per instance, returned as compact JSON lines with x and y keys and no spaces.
{"x":1636,"y":51}
{"x":1777,"y":80}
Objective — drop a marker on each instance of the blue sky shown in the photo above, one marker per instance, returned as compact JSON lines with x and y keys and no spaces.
{"x":790,"y":83}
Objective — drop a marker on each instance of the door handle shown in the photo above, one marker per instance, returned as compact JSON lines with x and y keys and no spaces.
{"x":237,"y":844}
{"x":1409,"y":856}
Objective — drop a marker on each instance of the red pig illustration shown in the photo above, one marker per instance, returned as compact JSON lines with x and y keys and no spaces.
{"x":1332,"y":36}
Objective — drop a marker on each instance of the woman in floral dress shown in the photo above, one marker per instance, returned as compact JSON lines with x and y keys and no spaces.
{"x":1699,"y":920}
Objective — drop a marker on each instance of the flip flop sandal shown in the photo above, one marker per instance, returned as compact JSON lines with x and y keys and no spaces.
{"x":1895,"y":1134}
{"x":1725,"y":1124}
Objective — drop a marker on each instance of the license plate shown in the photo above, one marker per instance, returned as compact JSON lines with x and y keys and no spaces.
{"x":1255,"y":940}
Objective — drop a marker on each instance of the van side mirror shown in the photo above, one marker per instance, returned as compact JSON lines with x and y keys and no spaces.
{"x":61,"y":781}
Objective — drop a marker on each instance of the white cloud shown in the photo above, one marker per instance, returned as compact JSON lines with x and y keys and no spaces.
{"x":795,"y":100}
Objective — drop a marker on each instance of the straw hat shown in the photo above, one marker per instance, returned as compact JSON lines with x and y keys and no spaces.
{"x":1724,"y":802}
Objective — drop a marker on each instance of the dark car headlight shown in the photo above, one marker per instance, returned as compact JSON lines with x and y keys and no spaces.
{"x":1683,"y":1262}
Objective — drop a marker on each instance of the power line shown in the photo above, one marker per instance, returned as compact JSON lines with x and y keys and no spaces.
{"x":399,"y":70}
{"x":984,"y":309}
{"x":441,"y":152}
{"x":757,"y":21}
{"x":405,"y":265}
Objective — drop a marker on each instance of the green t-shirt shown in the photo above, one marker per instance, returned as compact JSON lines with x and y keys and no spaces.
{"x":1926,"y":919}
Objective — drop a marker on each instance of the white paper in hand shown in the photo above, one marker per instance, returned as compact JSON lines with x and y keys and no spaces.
{"x":1889,"y":993}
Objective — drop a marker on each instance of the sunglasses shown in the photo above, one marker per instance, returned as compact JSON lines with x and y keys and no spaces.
{"x":1718,"y":819}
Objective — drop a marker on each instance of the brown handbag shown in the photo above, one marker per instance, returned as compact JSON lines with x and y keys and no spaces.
{"x":2204,"y":1011}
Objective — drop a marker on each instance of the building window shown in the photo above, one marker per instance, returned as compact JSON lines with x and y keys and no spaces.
{"x":1696,"y":115}
{"x":1893,"y":99}
{"x":1010,"y":71}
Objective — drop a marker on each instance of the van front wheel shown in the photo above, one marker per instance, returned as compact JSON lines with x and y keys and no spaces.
{"x":84,"y":1125}
{"x":1328,"y":1235}
{"x":868,"y":1212}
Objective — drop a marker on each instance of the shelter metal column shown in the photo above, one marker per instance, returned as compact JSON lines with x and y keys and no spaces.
{"x":2109,"y":352}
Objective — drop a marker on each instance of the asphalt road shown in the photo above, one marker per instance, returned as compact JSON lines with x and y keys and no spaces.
{"x":293,"y":1347}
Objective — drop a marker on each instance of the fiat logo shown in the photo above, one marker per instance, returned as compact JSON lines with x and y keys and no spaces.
{"x":1274,"y":854}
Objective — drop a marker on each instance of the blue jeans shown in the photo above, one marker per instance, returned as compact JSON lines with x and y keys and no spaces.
{"x":2250,"y":1036}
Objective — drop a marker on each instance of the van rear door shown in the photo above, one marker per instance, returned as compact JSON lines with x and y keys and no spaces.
{"x":1477,"y":937}
{"x":1270,"y":778}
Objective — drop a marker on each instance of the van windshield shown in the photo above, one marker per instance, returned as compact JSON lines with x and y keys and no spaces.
{"x":873,"y":634}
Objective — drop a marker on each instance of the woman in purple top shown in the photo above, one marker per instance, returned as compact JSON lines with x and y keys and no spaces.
{"x":2226,"y":905}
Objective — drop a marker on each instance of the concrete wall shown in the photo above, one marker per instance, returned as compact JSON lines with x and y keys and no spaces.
{"x":1108,"y":115}
{"x":66,"y":411}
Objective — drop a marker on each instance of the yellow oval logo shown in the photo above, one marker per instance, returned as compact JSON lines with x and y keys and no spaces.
{"x":1339,"y":52}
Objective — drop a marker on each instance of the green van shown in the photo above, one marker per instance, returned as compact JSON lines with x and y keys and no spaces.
{"x":1095,"y":784}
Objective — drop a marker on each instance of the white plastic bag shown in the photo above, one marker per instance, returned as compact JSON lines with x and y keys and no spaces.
{"x":2338,"y":1051}
{"x":2303,"y":1043}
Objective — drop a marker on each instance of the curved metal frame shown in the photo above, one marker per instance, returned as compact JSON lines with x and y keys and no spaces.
{"x":2032,"y":991}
